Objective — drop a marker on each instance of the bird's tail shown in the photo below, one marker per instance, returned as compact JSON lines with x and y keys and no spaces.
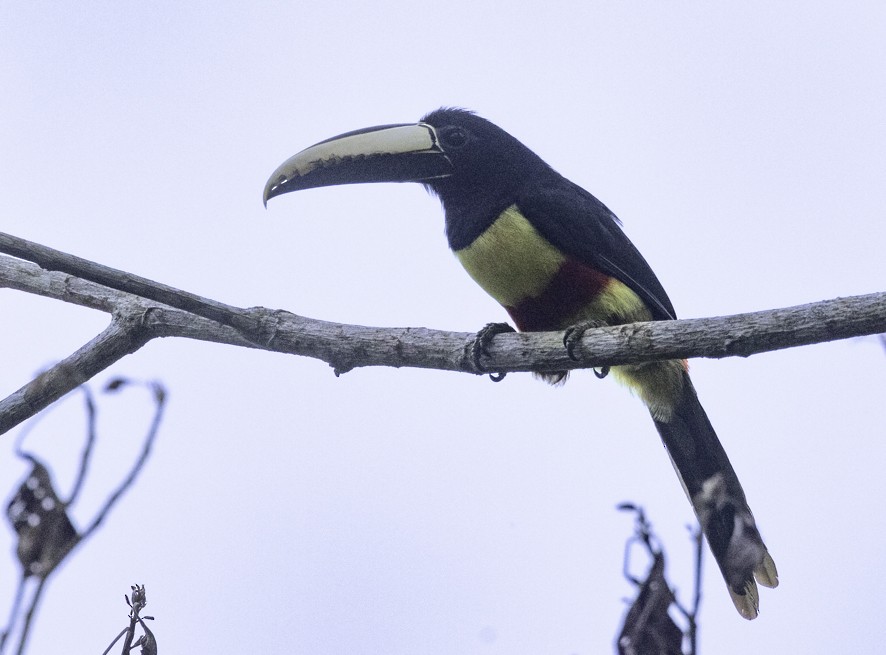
{"x":718,"y":499}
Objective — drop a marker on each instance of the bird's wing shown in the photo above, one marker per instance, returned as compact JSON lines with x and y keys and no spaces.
{"x":582,"y":227}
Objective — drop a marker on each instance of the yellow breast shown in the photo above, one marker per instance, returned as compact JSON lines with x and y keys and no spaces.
{"x":511,"y":260}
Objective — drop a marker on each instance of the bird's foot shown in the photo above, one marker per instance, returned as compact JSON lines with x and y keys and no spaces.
{"x":480,"y":345}
{"x":572,"y":339}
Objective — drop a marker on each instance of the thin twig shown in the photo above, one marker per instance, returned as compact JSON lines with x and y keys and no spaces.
{"x":692,"y":617}
{"x":13,"y":613}
{"x":89,"y":406}
{"x":160,"y":404}
{"x":35,"y":602}
{"x":116,"y":639}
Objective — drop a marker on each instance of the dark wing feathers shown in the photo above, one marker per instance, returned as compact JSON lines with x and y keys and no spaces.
{"x":584,"y":228}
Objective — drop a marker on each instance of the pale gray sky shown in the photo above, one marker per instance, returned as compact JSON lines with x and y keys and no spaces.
{"x":399,"y":511}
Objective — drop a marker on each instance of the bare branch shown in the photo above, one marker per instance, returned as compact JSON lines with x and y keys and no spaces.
{"x":138,"y":318}
{"x":55,"y":260}
{"x":119,"y":339}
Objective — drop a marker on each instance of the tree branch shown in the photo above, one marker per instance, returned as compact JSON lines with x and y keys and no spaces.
{"x":50,"y":259}
{"x":142,"y":310}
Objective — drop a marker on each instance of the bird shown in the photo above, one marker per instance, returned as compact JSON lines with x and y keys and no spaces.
{"x":556,"y":258}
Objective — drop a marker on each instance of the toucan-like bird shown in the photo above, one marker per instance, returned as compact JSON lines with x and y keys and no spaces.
{"x":555,"y":257}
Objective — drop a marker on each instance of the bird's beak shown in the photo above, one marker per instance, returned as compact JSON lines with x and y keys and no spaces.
{"x":387,"y":153}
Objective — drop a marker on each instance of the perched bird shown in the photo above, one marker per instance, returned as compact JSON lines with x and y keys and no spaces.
{"x":555,"y":258}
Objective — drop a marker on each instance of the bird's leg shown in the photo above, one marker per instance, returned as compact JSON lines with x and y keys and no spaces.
{"x":479,"y":347}
{"x":572,"y":339}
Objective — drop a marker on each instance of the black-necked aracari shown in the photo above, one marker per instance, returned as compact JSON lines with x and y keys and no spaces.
{"x":554,"y":256}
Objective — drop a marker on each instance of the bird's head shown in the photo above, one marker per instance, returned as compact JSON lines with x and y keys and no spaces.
{"x":459,"y":156}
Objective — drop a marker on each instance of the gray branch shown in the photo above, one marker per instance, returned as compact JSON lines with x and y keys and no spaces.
{"x":142,"y":310}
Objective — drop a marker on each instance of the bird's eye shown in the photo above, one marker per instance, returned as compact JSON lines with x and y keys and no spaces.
{"x":453,"y":137}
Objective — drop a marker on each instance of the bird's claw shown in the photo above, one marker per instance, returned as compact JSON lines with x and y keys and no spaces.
{"x":480,"y":345}
{"x":572,"y":339}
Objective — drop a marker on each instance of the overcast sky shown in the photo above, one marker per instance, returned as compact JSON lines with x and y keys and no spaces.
{"x":400,"y":511}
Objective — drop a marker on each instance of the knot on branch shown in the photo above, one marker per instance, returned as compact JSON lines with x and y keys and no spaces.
{"x":262,"y":325}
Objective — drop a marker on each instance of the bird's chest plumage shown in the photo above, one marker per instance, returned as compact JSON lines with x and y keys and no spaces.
{"x":511,"y":260}
{"x":541,"y":287}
